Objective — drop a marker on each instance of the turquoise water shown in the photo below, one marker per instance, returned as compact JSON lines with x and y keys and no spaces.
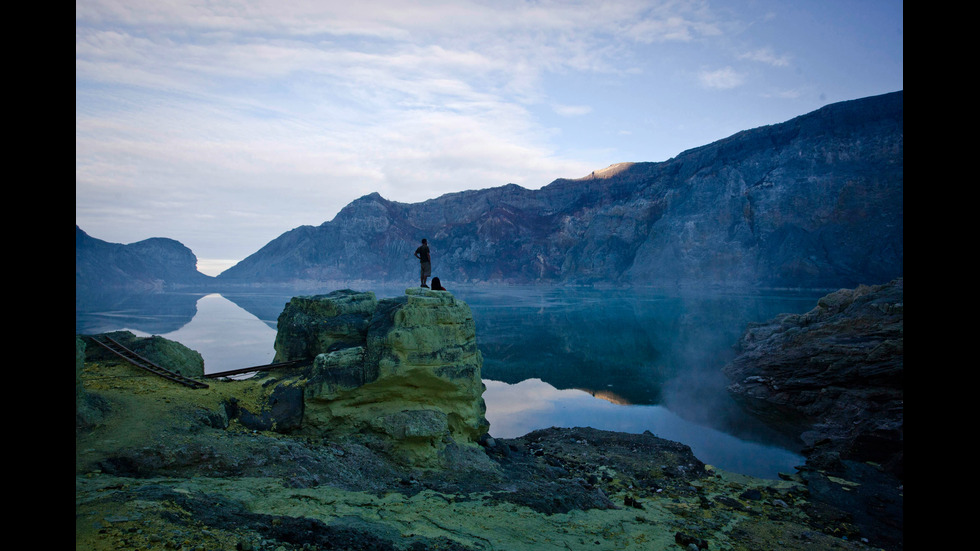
{"x":626,"y":361}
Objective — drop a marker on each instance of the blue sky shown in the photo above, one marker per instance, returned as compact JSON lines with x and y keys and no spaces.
{"x":223,"y":124}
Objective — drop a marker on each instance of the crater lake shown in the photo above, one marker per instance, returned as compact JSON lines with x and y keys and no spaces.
{"x":623,"y":360}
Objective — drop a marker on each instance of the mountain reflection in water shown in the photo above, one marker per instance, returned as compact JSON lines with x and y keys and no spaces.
{"x":628,"y":361}
{"x":515,"y":410}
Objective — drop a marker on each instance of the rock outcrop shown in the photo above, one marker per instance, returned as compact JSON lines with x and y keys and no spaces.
{"x":833,"y":375}
{"x":91,"y":408}
{"x":404,"y":371}
{"x":311,"y":325}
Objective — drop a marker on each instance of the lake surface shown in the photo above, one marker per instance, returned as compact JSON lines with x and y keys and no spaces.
{"x":629,"y":361}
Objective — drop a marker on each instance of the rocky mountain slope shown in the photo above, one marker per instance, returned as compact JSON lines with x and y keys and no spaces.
{"x":155,"y":263}
{"x":814,"y":202}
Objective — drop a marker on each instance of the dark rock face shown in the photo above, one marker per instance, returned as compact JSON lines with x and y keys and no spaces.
{"x":813,"y":202}
{"x":283,"y":414}
{"x":157,"y":263}
{"x":833,"y":375}
{"x":312,"y":325}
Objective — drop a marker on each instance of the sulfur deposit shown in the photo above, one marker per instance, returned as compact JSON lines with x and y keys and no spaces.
{"x":404,"y":370}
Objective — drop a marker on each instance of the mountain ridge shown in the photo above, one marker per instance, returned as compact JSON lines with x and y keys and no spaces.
{"x":156,"y":263}
{"x":815,"y":201}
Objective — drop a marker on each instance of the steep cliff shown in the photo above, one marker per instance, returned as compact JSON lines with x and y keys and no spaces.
{"x":816,"y":201}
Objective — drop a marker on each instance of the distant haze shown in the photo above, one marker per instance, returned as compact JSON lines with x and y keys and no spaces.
{"x":214,"y":266}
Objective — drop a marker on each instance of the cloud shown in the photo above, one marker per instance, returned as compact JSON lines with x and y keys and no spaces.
{"x":721,"y":79}
{"x":572,"y":110}
{"x":304,"y":88}
{"x":239,"y":120}
{"x":273,"y":115}
{"x":767,"y":56}
{"x":784,"y":94}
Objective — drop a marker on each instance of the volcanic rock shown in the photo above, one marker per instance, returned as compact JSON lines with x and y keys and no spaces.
{"x":166,"y":353}
{"x":834,"y":375}
{"x":310,"y":325}
{"x":167,"y":466}
{"x":404,"y":371}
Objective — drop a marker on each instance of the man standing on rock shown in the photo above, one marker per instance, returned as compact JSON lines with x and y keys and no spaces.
{"x":422,"y":253}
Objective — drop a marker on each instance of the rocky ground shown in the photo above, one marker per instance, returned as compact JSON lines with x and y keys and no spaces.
{"x":160,"y":466}
{"x":833,"y":377}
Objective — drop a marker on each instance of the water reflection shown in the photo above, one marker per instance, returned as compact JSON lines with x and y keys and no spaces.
{"x":629,"y":345}
{"x":155,"y":313}
{"x":248,"y":344}
{"x":627,"y":361}
{"x":514,"y":410}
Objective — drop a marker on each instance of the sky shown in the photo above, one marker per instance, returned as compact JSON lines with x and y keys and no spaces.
{"x":226,"y":123}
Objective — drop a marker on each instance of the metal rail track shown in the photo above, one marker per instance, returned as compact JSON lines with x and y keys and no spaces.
{"x":252,"y":369}
{"x":111,"y":345}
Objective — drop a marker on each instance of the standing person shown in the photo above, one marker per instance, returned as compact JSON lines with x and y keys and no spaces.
{"x":422,"y":253}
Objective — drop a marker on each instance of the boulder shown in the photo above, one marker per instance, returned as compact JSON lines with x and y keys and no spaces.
{"x":310,"y":325}
{"x":282,"y":411}
{"x":404,"y":372}
{"x":833,"y":375}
